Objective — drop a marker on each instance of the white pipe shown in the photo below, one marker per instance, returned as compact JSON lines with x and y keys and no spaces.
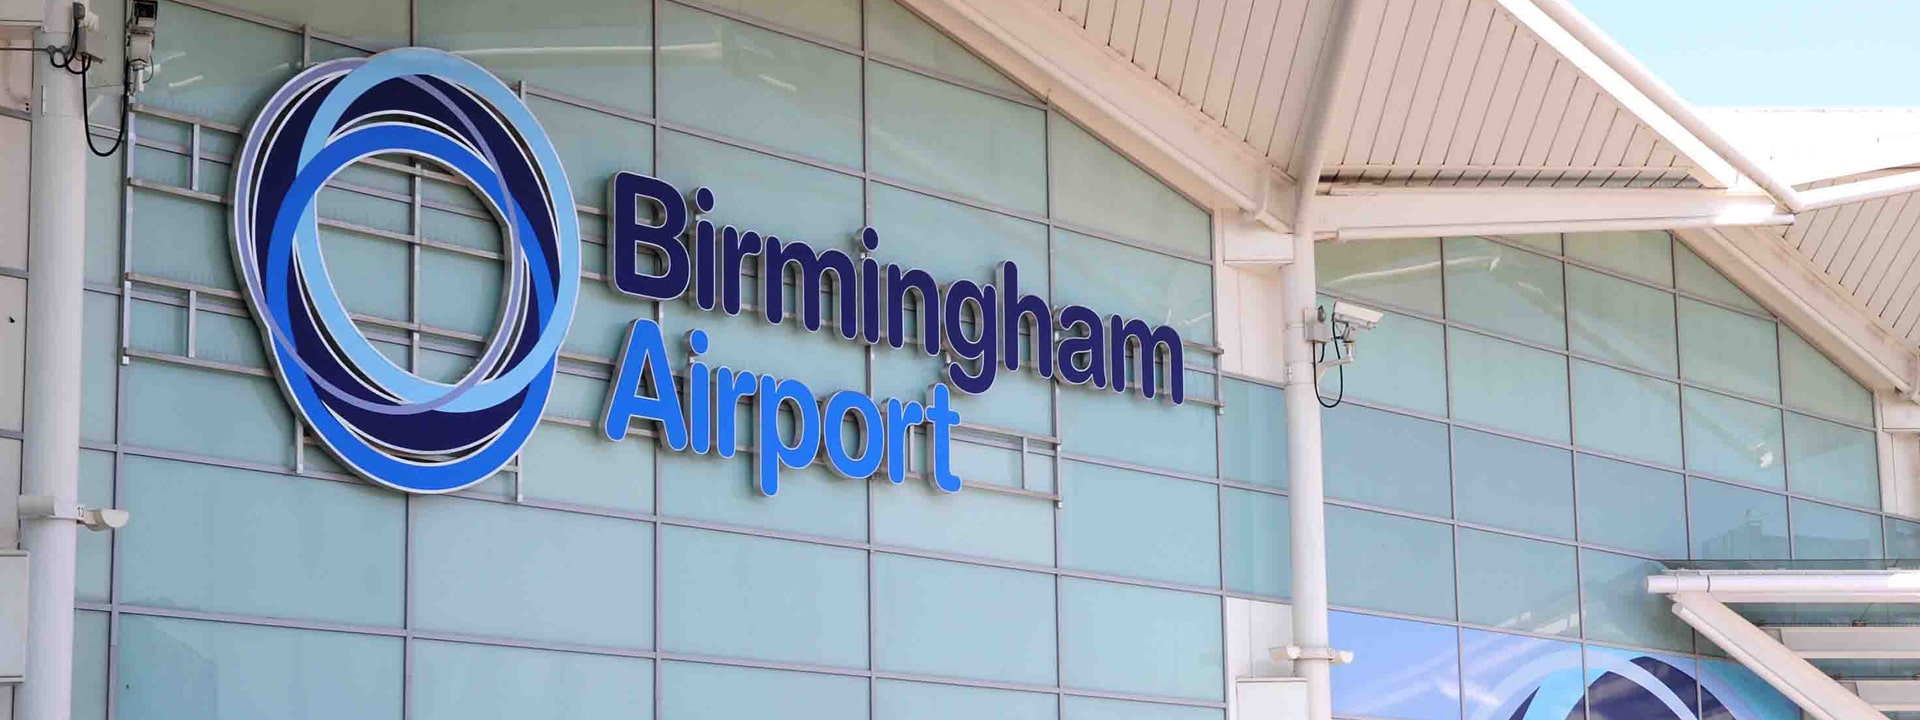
{"x":1306,"y":487}
{"x":1663,"y":97}
{"x":50,"y":460}
{"x":1873,"y":586}
{"x":1816,"y":693}
{"x":1869,"y":189}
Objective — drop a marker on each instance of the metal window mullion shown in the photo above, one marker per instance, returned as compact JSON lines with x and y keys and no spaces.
{"x":115,"y":546}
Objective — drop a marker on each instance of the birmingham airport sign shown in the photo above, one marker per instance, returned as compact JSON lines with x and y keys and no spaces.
{"x":424,"y":436}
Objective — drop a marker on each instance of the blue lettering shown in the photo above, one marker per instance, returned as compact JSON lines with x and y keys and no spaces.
{"x":867,"y":424}
{"x":775,"y":452}
{"x":643,"y":368}
{"x":943,"y":419}
{"x":627,"y":236}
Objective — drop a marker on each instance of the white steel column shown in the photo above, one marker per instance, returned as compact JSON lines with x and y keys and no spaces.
{"x":1819,"y":695}
{"x":1305,"y":484}
{"x":51,"y":453}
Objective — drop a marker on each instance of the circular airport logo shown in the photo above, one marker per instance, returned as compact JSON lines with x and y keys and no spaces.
{"x":387,"y":423}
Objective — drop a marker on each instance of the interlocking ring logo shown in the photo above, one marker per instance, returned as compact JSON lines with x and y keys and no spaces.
{"x":390,"y":425}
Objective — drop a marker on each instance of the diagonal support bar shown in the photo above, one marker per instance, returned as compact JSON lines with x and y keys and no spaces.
{"x":1820,"y":696}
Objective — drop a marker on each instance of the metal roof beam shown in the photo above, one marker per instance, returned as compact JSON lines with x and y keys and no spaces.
{"x":1354,"y":212}
{"x":1147,"y":121}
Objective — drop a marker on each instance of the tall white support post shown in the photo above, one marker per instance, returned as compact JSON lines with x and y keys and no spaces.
{"x":1306,"y":488}
{"x":51,"y":454}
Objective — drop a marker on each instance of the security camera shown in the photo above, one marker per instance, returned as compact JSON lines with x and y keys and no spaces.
{"x":97,"y":519}
{"x":1358,"y":316}
{"x":142,"y":25}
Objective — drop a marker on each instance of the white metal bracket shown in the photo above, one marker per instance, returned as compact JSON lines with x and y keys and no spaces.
{"x":1296,"y":652}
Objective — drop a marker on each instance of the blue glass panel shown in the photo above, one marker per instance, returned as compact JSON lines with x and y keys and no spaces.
{"x":1500,"y":673}
{"x":954,"y":241}
{"x":104,"y":187}
{"x":1412,"y":477}
{"x":1694,"y":275}
{"x":460,"y":292}
{"x":372,"y":275}
{"x":1619,"y":609}
{"x":577,"y":466}
{"x":1139,"y":640}
{"x":747,"y":343}
{"x":171,"y":668}
{"x":1506,"y":290}
{"x":1733,"y":439}
{"x":1018,"y":401}
{"x":1545,"y":242}
{"x":1124,"y":522}
{"x":740,"y":76}
{"x":1621,"y":321}
{"x":1404,"y":273}
{"x":1632,"y":507}
{"x":379,"y":20}
{"x":1253,"y":431}
{"x":894,"y":31}
{"x":230,"y":339}
{"x":949,"y":138}
{"x":1832,"y":461}
{"x":1111,"y":194}
{"x":835,"y":20}
{"x":89,"y":665}
{"x":181,"y":239}
{"x":813,"y":501}
{"x":760,"y":598}
{"x":1729,"y":691}
{"x":1736,"y":523}
{"x":219,"y":540}
{"x":1619,"y":412}
{"x":693,"y":691}
{"x":1401,"y":669}
{"x":1826,"y":532}
{"x":1727,"y":350}
{"x":978,"y":523}
{"x":1512,"y":483}
{"x":207,"y":412}
{"x":1403,"y":364}
{"x":1809,"y":381}
{"x":1114,"y":279}
{"x":99,"y":366}
{"x":1647,"y":255}
{"x":1391,"y":563}
{"x":1629,"y":684}
{"x":596,"y":49}
{"x":1087,"y":708}
{"x":956,"y":620}
{"x":588,"y":575}
{"x":454,"y":681}
{"x":1903,"y":539}
{"x":1512,"y":582}
{"x":1508,"y":386}
{"x":767,"y":194}
{"x":94,"y":555}
{"x":1257,"y":540}
{"x":1130,"y":428}
{"x":898,"y":700}
{"x":601,"y":318}
{"x":234,"y":65}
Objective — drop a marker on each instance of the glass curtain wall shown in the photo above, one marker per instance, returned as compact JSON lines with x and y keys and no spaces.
{"x":1081,"y":574}
{"x":1566,"y":410}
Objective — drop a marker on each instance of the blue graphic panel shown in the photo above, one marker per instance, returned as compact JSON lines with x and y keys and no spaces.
{"x":1633,"y":685}
{"x":1401,"y":668}
{"x":1511,"y":677}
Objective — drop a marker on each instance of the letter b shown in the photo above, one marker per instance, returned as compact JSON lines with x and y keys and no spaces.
{"x":626,"y":235}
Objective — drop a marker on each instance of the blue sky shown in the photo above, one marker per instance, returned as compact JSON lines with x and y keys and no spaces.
{"x":1773,"y":53}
